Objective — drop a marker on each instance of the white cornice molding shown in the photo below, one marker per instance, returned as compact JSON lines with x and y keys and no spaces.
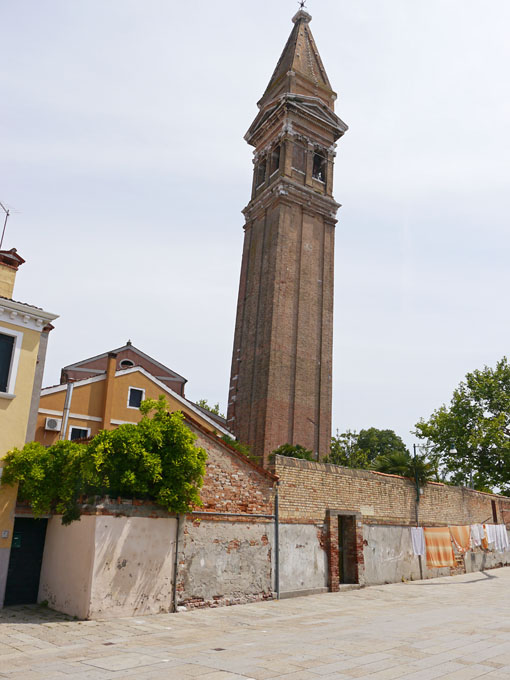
{"x":77,"y":416}
{"x":24,"y":316}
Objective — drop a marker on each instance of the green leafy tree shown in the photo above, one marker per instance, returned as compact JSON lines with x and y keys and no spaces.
{"x":155,"y":459}
{"x":470,"y":438}
{"x":345,"y":451}
{"x":374,"y":442}
{"x":203,"y":403}
{"x":359,"y":450}
{"x":292,"y":451}
{"x":51,"y":479}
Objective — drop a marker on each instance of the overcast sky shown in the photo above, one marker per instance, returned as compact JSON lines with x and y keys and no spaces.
{"x":123,"y":159}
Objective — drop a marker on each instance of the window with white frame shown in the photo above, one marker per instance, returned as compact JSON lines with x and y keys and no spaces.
{"x":135,"y":397}
{"x":78,"y":432}
{"x":10,"y":347}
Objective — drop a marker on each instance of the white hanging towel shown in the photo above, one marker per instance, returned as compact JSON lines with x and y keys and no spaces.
{"x":476,"y":538}
{"x":491,"y":534}
{"x":418,"y":540}
{"x":504,"y":533}
{"x":501,"y":538}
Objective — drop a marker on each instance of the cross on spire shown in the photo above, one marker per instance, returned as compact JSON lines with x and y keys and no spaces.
{"x":302,"y":4}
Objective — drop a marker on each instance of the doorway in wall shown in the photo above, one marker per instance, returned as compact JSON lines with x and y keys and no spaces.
{"x":345,"y":548}
{"x":25,"y":561}
{"x":347,"y":568}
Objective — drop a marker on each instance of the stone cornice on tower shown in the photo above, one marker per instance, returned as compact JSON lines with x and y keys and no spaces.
{"x":286,"y":190}
{"x":311,"y":109}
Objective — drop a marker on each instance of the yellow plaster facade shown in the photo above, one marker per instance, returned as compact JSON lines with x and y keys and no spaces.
{"x":14,"y":413}
{"x":87,"y":408}
{"x":23,"y":325}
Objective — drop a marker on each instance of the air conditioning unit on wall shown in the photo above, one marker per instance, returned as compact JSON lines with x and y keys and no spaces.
{"x":53,"y":424}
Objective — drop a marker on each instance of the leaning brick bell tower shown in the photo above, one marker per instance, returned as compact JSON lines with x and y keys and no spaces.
{"x":281,"y":377}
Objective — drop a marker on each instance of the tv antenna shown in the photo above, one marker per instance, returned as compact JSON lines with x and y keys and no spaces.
{"x":7,"y":213}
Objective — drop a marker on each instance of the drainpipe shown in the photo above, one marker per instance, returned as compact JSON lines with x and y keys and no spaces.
{"x":108,"y":390}
{"x":67,"y":408}
{"x":276,"y":544}
{"x":417,"y":505}
{"x":176,"y":565}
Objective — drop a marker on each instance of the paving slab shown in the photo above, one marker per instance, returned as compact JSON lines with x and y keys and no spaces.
{"x":450,"y":628}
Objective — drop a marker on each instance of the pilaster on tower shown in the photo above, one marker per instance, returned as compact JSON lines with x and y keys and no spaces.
{"x":281,"y":377}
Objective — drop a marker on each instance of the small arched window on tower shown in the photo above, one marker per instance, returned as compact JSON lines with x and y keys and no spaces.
{"x":275,"y":160}
{"x":261,"y":172}
{"x":319,"y":165}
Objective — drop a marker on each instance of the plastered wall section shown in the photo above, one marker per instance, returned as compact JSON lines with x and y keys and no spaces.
{"x":224,"y":563}
{"x":104,"y":566}
{"x":307,"y":489}
{"x":303,"y":558}
{"x":133,"y":566}
{"x":66,"y":572}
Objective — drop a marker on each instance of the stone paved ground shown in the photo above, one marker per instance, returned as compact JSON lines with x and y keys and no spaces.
{"x":454,"y":628}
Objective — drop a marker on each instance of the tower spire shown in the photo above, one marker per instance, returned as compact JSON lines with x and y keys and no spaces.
{"x":300,"y":69}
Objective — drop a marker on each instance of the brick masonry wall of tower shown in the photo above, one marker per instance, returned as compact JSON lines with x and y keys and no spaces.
{"x":286,"y":356}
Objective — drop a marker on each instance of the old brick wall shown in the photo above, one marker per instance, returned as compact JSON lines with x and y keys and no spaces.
{"x":377,"y":511}
{"x":232,"y":483}
{"x":307,"y":489}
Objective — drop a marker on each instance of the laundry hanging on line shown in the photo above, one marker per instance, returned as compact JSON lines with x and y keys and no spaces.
{"x":502,"y":541}
{"x":439,"y":549}
{"x":418,"y":541}
{"x":491,"y":534}
{"x":477,"y":534}
{"x":461,"y":537}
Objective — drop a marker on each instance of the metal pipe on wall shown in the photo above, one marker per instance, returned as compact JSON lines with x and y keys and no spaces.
{"x":176,"y":564}
{"x":67,"y":408}
{"x":277,"y":543}
{"x":228,"y":514}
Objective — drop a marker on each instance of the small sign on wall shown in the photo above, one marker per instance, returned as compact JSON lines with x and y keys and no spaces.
{"x":367,"y":510}
{"x":5,"y":533}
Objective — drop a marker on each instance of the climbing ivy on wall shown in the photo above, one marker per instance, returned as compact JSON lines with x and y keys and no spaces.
{"x":156,"y":459}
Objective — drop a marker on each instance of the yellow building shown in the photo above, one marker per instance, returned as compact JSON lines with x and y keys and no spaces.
{"x":24,"y":333}
{"x":109,"y":395}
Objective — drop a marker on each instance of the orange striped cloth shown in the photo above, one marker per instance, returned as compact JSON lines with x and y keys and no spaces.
{"x":485,"y":541}
{"x":461,"y":537}
{"x":439,"y":547}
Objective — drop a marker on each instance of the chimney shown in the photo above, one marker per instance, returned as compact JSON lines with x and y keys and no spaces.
{"x":10,"y":261}
{"x":111,"y":367}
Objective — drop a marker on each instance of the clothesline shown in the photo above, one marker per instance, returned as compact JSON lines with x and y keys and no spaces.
{"x":436,"y":542}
